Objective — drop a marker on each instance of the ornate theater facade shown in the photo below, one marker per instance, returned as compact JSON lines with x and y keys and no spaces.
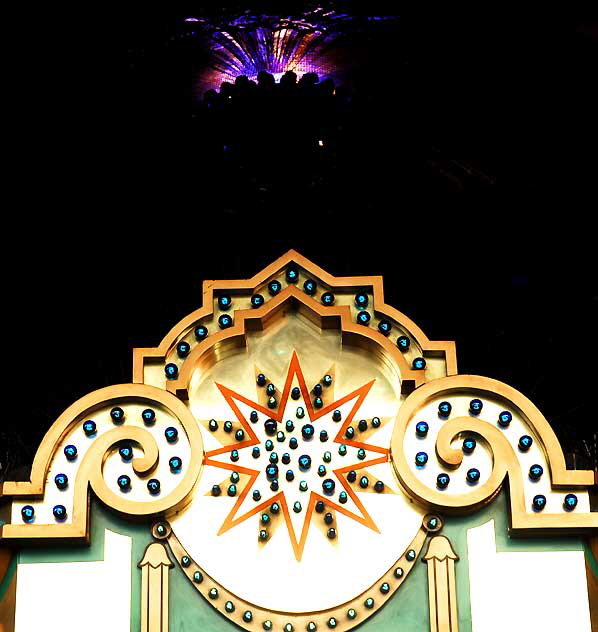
{"x":296,"y":455}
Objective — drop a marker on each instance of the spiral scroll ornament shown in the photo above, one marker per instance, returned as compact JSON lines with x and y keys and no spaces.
{"x":456,"y":440}
{"x":136,"y":446}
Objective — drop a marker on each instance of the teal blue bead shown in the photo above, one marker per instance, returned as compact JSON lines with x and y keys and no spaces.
{"x":384,"y":588}
{"x":265,"y":518}
{"x":311,"y":627}
{"x":297,"y":507}
{"x":432,"y":523}
{"x":342,"y":449}
{"x":234,"y":477}
{"x":411,"y":555}
{"x":229,"y":606}
{"x":303,"y":486}
{"x":247,"y":616}
{"x":197,"y":577}
{"x":288,"y":627}
{"x":399,"y":572}
{"x":267,"y":625}
{"x":332,"y":622}
{"x":213,"y":594}
{"x":300,"y":412}
{"x":342,"y":498}
{"x":201,"y":332}
{"x":351,"y":613}
{"x":321,"y":470}
{"x":225,"y":321}
{"x":369,"y":603}
{"x":327,"y":457}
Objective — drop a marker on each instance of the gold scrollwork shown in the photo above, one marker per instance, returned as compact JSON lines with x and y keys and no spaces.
{"x":90,"y":471}
{"x":505,"y":462}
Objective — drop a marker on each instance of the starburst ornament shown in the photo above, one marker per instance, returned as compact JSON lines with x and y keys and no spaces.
{"x":297,"y":460}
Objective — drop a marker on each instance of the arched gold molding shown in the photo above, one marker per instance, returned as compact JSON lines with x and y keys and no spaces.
{"x":324,"y":317}
{"x":345,"y":616}
{"x":248,"y":286}
{"x":505,"y":464}
{"x":89,"y":473}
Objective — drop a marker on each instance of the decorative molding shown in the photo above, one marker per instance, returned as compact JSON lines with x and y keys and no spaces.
{"x":442,"y":587}
{"x":90,"y":473}
{"x":506,"y":465}
{"x":344,"y":617}
{"x":155,"y":565}
{"x":325,"y":316}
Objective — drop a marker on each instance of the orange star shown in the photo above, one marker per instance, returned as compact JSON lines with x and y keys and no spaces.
{"x":232,"y":398}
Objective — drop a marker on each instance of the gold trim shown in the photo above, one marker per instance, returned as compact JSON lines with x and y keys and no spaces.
{"x":89,"y":472}
{"x":249,"y":286}
{"x":377,"y":592}
{"x":325,"y":317}
{"x":442,"y":587}
{"x":155,"y":565}
{"x":505,"y":460}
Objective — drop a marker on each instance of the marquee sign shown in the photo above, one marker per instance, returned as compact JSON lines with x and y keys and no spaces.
{"x":297,"y":455}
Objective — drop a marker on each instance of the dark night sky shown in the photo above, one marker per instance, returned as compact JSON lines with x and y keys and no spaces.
{"x":115,"y":224}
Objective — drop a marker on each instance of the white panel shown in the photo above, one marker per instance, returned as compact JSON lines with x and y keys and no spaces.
{"x":523,"y":591}
{"x":75,"y":596}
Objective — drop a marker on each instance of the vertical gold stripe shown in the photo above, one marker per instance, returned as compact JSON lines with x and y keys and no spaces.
{"x":452,"y":593}
{"x":432,"y":598}
{"x":155,"y":599}
{"x":164,"y":599}
{"x":442,"y":597}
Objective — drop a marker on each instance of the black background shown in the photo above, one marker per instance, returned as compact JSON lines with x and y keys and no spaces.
{"x":113,"y":223}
